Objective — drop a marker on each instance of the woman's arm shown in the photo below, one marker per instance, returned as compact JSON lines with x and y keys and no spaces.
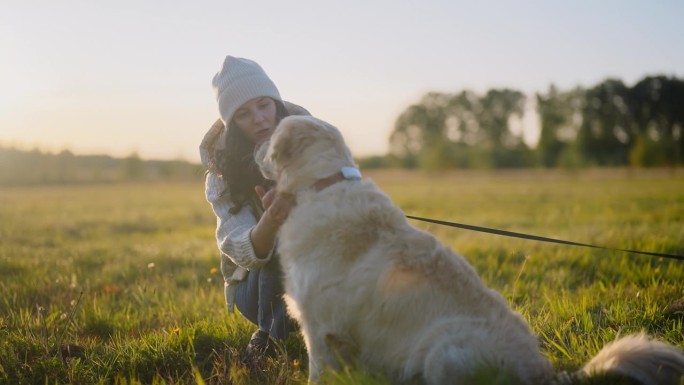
{"x":234,"y":231}
{"x":276,"y":209}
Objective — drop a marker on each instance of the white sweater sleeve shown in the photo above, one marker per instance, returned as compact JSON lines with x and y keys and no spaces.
{"x":232,"y":230}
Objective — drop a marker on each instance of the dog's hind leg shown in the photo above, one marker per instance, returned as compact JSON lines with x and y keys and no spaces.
{"x":447,"y":363}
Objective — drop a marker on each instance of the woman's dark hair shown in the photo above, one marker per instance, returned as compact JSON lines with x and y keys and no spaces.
{"x":236,"y":166}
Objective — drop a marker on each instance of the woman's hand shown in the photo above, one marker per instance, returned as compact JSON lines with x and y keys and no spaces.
{"x":277,"y":207}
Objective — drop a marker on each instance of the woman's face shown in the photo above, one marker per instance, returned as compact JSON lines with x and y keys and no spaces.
{"x":256,"y":119}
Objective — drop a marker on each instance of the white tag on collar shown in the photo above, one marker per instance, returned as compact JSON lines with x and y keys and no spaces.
{"x":351,"y":173}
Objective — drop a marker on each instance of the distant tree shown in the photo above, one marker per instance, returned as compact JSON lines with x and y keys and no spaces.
{"x":66,"y":167}
{"x":497,"y":109}
{"x":560,"y":115}
{"x":607,"y":131}
{"x":133,"y":167}
{"x":463,"y":124}
{"x":657,"y":104}
{"x":420,"y":128}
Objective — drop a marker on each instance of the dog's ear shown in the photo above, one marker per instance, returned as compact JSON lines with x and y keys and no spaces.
{"x":293,"y":142}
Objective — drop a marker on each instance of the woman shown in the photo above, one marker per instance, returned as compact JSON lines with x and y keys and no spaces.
{"x":248,"y":214}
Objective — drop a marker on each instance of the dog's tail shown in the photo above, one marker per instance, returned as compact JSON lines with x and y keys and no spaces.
{"x":639,"y":358}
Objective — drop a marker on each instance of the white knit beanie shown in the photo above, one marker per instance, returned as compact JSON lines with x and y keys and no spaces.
{"x":239,"y":81}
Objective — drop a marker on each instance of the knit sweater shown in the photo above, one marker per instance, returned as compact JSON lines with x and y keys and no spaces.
{"x":232,"y":230}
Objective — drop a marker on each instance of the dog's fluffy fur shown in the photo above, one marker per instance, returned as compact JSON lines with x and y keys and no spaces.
{"x":369,"y":289}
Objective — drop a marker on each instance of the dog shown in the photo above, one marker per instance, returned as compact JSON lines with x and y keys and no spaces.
{"x":369,"y":289}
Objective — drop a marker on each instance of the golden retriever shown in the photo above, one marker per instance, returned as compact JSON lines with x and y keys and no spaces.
{"x":369,"y":289}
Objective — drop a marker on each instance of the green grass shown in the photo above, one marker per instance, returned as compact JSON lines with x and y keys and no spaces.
{"x":114,"y":284}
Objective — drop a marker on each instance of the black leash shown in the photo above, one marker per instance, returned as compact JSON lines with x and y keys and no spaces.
{"x":538,"y":238}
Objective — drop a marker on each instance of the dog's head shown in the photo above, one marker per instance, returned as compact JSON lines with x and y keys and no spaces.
{"x":302,"y":150}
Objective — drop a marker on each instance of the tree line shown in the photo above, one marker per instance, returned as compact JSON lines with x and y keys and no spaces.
{"x":609,"y":124}
{"x":35,"y":167}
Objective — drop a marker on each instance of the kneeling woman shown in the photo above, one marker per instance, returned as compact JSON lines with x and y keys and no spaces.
{"x":248,"y":214}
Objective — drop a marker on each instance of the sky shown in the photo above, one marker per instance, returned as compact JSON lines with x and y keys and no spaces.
{"x":134,"y":76}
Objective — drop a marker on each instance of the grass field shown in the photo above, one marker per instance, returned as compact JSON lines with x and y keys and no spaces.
{"x":118,"y":283}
